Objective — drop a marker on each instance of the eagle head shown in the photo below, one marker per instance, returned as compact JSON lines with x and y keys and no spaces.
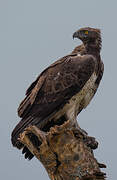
{"x":87,"y":34}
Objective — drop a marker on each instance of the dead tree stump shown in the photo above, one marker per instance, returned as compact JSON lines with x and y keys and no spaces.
{"x":65,"y":153}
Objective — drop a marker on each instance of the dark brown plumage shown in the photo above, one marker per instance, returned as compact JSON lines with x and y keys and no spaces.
{"x":66,"y":86}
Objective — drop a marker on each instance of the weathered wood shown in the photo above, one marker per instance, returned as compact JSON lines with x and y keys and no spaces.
{"x":65,"y":152}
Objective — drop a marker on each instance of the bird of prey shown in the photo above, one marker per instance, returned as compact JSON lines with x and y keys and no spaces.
{"x":63,"y":89}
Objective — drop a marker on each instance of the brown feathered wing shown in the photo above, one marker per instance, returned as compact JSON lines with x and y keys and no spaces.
{"x":52,"y":90}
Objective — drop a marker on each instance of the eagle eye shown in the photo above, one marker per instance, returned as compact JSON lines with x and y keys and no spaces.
{"x":86,"y":32}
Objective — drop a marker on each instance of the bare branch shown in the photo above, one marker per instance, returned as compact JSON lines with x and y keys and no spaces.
{"x":65,"y":153}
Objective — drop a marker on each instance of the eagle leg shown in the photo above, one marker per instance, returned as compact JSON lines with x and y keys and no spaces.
{"x":71,"y":115}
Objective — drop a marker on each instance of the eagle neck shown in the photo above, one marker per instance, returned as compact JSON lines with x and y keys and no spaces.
{"x":92,"y":49}
{"x":93,"y":46}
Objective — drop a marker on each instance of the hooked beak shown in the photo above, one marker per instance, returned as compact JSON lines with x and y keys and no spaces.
{"x":80,"y":35}
{"x":76,"y":35}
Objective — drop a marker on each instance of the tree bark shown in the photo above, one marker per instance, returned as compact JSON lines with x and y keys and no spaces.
{"x":65,"y":152}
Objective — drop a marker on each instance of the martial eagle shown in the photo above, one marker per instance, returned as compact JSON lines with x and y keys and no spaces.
{"x":63,"y":89}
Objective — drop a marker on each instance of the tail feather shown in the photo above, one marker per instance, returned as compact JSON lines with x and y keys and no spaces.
{"x":19,"y":129}
{"x":40,"y":122}
{"x":25,"y":122}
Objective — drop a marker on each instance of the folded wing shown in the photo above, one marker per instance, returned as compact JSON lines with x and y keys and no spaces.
{"x":52,"y":90}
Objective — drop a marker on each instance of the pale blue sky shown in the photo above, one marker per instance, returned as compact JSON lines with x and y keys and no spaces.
{"x":33,"y":34}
